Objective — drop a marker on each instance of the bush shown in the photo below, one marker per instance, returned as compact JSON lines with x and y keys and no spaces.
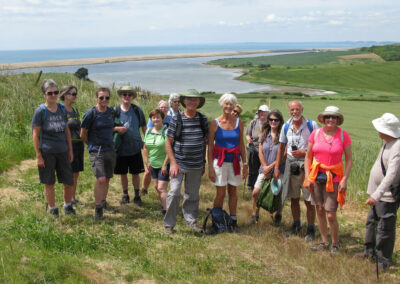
{"x":82,"y":73}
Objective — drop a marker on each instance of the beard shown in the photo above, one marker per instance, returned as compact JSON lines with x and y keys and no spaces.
{"x":296,"y":118}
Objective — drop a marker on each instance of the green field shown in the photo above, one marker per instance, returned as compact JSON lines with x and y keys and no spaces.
{"x":130,"y":244}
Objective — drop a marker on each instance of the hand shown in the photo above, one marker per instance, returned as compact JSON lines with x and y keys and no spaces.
{"x":121,"y":129}
{"x":211,"y":174}
{"x":299,"y":154}
{"x":307,"y":184}
{"x":40,"y":161}
{"x":147,"y":167}
{"x":265,"y":170}
{"x":174,"y":170}
{"x":277,"y":173}
{"x":164,"y":170}
{"x":370,"y":201}
{"x":71,"y":156}
{"x":342,"y":186}
{"x":249,"y":140}
{"x":245,"y":172}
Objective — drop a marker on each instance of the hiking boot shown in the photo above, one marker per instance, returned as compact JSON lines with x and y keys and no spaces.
{"x":104,"y":204}
{"x":253,"y":219}
{"x":320,"y":247}
{"x":138,"y":201}
{"x":310,"y":236}
{"x":125,"y":199}
{"x":294,"y":231}
{"x":334,"y":249}
{"x":170,"y":230}
{"x":144,"y":192}
{"x":235,"y":228}
{"x":196,"y":229}
{"x":69,"y":210}
{"x":54,"y":212}
{"x":98,"y":213}
{"x":277,"y":220}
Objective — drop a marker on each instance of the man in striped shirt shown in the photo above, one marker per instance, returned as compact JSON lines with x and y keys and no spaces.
{"x":186,"y":149}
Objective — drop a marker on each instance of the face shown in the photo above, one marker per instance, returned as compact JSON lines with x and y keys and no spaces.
{"x":330,"y":120}
{"x":51,"y":94}
{"x":262,"y":115}
{"x":236,"y":112}
{"x":164,"y":108}
{"x":295,"y":110}
{"x":71,"y":96}
{"x":192,"y":103}
{"x":273,"y":121}
{"x":156,"y":119}
{"x":103,"y":99}
{"x":176,"y":104}
{"x":227,"y":107}
{"x":126,"y":97}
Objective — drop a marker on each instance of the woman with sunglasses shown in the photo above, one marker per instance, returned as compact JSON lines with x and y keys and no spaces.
{"x":97,"y":132}
{"x":68,"y":94}
{"x":53,"y":147}
{"x":268,"y":149}
{"x":325,"y":175}
{"x":237,"y":110}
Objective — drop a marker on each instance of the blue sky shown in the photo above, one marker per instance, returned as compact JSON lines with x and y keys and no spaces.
{"x":40,"y":24}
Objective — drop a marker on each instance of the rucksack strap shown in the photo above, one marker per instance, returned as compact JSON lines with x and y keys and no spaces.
{"x":206,"y":219}
{"x":286,"y":128}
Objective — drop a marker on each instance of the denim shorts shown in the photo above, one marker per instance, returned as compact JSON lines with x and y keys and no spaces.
{"x":157,"y":174}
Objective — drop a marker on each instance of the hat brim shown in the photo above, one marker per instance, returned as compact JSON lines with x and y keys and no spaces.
{"x":339,"y":115}
{"x":381,"y":127}
{"x":182,"y":98}
{"x":276,"y":186}
{"x":119,"y":92}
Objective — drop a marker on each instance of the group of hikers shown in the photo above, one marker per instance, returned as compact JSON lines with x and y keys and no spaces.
{"x":300,"y":157}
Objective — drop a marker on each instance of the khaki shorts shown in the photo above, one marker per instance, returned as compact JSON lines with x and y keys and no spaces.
{"x":103,"y":163}
{"x":319,"y":196}
{"x":260,"y":181}
{"x":224,"y":175}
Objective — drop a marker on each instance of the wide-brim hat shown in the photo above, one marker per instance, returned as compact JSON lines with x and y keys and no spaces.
{"x":127,"y":89}
{"x":276,"y":186}
{"x":192,"y":93}
{"x":331,"y":110}
{"x":387,"y":124}
{"x":263,"y":108}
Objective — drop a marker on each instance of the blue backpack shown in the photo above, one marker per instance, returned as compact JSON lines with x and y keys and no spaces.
{"x":44,"y":109}
{"x":309,"y":125}
{"x":221,"y":221}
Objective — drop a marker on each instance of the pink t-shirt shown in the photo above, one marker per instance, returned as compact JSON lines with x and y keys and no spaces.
{"x":329,"y":152}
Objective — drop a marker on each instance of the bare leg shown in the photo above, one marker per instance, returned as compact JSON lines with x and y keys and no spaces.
{"x":162,"y":193}
{"x":295,"y":207}
{"x":124,"y":182}
{"x":232,"y":194}
{"x":101,"y":189}
{"x":76,"y":176}
{"x":256,"y":193}
{"x":322,"y":225}
{"x":333,"y":226}
{"x":310,"y":213}
{"x":68,"y":193}
{"x":50,"y":196}
{"x":136,"y":181}
{"x":146,"y":179}
{"x":219,"y":199}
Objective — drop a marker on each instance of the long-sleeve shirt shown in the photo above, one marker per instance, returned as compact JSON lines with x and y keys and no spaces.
{"x":378,"y":184}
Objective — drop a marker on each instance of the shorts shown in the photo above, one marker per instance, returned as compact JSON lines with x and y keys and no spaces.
{"x":157,"y":174}
{"x":225,"y":175}
{"x":260,"y":181}
{"x":77,"y":164}
{"x":56,"y":163}
{"x":132,"y":163}
{"x":319,"y":196}
{"x":294,"y":184}
{"x":103,"y":163}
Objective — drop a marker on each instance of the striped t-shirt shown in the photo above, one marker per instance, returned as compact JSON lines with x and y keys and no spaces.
{"x":189,"y":152}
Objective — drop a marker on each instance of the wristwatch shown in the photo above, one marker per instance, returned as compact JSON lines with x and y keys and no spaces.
{"x":245,"y":164}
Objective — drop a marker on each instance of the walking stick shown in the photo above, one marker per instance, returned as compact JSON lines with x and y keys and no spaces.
{"x":375,"y":251}
{"x":244,"y":187}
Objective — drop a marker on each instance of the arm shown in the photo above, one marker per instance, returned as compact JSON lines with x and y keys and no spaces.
{"x":144,"y":129}
{"x":243,"y":151}
{"x":278,"y":160}
{"x":307,"y":163}
{"x":36,"y":145}
{"x":164,"y":166}
{"x":84,"y":135}
{"x":69,"y":142}
{"x":349,"y":162}
{"x":146,"y":157}
{"x":174,"y":169}
{"x":211,"y":136}
{"x":120,"y":129}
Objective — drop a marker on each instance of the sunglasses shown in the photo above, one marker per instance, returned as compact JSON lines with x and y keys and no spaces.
{"x":72,"y":94}
{"x":237,"y":112}
{"x":55,"y":93}
{"x":127,"y":95}
{"x":273,"y":119}
{"x":330,"y":116}
{"x":176,"y":101}
{"x":104,"y":98}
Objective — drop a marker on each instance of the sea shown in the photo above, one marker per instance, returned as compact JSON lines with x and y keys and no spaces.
{"x":168,"y":75}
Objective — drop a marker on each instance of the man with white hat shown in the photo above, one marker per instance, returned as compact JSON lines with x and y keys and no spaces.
{"x":294,"y":137}
{"x":383,"y":189}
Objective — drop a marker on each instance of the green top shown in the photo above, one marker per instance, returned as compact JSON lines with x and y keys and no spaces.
{"x":155,"y":144}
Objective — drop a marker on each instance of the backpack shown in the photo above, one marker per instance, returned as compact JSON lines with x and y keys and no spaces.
{"x":221,"y":221}
{"x":179,"y":125}
{"x":44,"y":109}
{"x":309,"y":125}
{"x":117,"y":111}
{"x":267,"y":200}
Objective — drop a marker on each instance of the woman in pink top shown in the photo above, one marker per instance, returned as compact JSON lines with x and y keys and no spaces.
{"x":324,"y":175}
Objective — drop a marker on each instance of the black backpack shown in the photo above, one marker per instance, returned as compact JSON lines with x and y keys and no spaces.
{"x":117,"y":111}
{"x":179,"y":125}
{"x":221,"y":221}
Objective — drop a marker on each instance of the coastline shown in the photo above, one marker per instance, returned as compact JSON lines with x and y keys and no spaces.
{"x":104,"y":60}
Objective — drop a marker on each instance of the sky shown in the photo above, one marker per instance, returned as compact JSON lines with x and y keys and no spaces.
{"x":43,"y":24}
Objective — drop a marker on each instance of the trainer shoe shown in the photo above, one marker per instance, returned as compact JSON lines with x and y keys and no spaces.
{"x":277,"y":219}
{"x":310,"y":236}
{"x":235,"y":228}
{"x":144,"y":192}
{"x":294,"y":231}
{"x":196,"y":228}
{"x":54,"y":212}
{"x":69,"y":210}
{"x":125,"y":199}
{"x":138,"y":201}
{"x":320,"y":247}
{"x":334,"y":249}
{"x":98,"y":213}
{"x":75,"y":201}
{"x":253,"y":219}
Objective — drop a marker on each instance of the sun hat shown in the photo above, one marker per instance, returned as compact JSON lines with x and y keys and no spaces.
{"x":126,"y":89}
{"x":276,"y":186}
{"x":263,"y":108}
{"x":331,"y":110}
{"x":192,"y":93}
{"x":387,"y":124}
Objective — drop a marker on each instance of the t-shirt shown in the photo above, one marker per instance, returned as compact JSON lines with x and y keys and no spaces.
{"x":131,"y":140}
{"x":189,"y":152}
{"x":100,"y":130}
{"x":52,"y":133}
{"x":165,"y":122}
{"x":270,"y":150}
{"x":155,"y":144}
{"x":74,"y":124}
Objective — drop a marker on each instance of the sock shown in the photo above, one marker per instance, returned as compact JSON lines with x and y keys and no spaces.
{"x":296,"y":223}
{"x":234,"y":217}
{"x":67,"y":204}
{"x":136,"y":192}
{"x":310,"y":228}
{"x":125,"y":191}
{"x":52,"y":208}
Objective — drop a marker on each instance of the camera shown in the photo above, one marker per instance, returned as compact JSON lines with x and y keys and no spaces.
{"x":295,"y":169}
{"x":294,"y":147}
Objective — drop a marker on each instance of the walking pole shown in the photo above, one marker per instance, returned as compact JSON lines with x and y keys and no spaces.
{"x":244,"y":186}
{"x":375,"y":251}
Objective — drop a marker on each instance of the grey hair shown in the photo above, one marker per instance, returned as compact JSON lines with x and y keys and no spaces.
{"x":161,"y":102}
{"x":297,"y":101}
{"x":173,"y":97}
{"x":47,"y":83}
{"x":227,"y":98}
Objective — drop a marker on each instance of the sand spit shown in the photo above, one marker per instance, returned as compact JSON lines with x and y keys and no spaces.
{"x":90,"y":61}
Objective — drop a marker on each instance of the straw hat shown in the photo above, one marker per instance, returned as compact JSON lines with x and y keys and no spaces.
{"x":387,"y":124}
{"x":126,"y":89}
{"x":331,"y":110}
{"x":192,"y":93}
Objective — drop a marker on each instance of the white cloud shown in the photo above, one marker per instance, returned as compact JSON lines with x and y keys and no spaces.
{"x":270,"y":18}
{"x":335,"y":22}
